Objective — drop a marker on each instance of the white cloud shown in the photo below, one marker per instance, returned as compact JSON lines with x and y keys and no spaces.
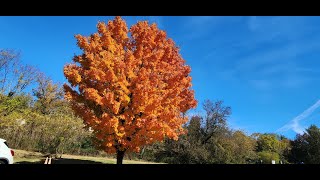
{"x":294,"y":123}
{"x":281,"y":61}
{"x":283,"y":53}
{"x":265,"y":52}
{"x":283,"y":27}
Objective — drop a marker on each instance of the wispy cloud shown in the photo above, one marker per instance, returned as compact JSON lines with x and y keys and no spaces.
{"x":287,"y":74}
{"x":294,"y":124}
{"x":270,"y":53}
{"x":277,"y":27}
{"x":279,"y":53}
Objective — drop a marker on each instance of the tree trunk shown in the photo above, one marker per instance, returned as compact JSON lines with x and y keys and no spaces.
{"x":120,"y":155}
{"x":142,"y":152}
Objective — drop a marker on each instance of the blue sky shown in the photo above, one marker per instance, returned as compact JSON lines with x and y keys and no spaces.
{"x":265,"y":68}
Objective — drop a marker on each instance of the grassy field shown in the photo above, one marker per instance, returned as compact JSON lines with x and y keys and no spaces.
{"x":29,"y":157}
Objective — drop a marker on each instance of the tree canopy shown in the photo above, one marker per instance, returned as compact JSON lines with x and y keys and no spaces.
{"x":131,"y":86}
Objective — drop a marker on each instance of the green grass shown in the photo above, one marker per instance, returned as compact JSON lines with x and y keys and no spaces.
{"x":29,"y":157}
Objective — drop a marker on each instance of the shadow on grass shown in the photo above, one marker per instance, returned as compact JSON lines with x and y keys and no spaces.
{"x":27,"y":162}
{"x":62,"y":161}
{"x":73,"y":161}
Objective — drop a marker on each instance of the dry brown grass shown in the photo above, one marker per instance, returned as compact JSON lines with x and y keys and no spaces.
{"x":30,"y":157}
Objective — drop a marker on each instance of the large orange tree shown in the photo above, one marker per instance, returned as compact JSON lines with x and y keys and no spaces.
{"x":131,"y":86}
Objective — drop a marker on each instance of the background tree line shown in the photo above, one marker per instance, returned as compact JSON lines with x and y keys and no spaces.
{"x":34,"y":116}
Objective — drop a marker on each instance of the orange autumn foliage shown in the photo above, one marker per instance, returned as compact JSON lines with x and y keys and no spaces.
{"x":131,"y":90}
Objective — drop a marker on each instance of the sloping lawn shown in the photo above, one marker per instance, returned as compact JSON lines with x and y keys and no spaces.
{"x":30,"y":157}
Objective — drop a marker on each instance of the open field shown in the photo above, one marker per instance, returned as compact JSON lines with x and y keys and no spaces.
{"x":29,"y":157}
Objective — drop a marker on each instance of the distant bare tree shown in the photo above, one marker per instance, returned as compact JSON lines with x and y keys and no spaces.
{"x":14,"y":76}
{"x":8,"y":63}
{"x":216,"y":116}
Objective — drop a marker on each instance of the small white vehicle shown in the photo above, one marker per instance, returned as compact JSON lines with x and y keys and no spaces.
{"x":6,"y":154}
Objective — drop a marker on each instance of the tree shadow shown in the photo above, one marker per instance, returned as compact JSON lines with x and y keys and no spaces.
{"x":62,"y":161}
{"x":28,"y":162}
{"x":73,"y":161}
